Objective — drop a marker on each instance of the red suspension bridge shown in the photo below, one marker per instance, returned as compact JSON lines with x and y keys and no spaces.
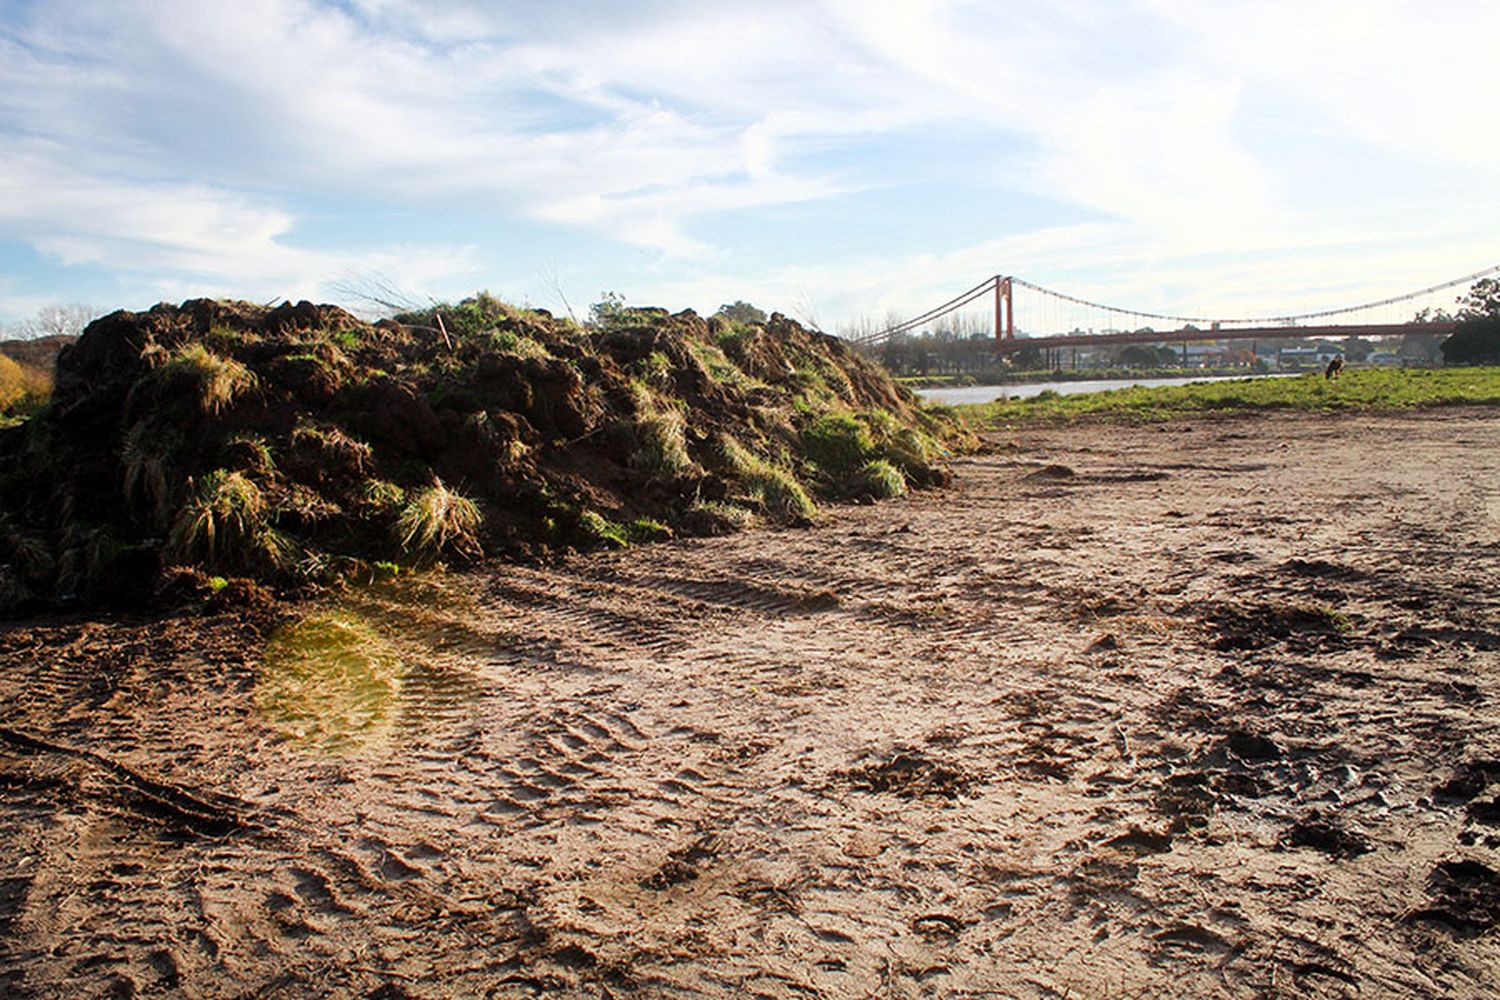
{"x":1048,"y":312}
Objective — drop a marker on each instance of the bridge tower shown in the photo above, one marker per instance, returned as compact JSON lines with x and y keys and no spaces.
{"x":1005,"y":316}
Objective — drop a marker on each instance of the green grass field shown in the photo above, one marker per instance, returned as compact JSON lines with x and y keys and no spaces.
{"x":1363,"y":389}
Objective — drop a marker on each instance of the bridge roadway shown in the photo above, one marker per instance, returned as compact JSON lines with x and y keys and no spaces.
{"x":1008,"y":344}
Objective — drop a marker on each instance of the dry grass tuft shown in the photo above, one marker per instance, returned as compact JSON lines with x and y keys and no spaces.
{"x":439,"y":519}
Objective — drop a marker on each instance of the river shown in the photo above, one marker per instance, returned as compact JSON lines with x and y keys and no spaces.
{"x":990,"y":393}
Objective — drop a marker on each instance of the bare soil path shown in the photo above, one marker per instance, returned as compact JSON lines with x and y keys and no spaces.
{"x":1199,"y":710}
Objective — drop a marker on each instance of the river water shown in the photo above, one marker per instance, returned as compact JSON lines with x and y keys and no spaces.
{"x":990,"y":393}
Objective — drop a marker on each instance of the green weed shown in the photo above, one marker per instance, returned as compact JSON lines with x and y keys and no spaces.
{"x":597,"y":531}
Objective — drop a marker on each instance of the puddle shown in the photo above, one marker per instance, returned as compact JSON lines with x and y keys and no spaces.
{"x":329,"y":680}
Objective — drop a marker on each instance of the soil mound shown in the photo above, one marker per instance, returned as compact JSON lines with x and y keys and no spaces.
{"x":299,"y":444}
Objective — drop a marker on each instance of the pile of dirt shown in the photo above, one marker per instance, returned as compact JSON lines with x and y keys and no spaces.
{"x":299,"y":444}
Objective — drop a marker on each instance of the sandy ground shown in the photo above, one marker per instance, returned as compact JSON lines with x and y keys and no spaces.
{"x":1173,"y":710}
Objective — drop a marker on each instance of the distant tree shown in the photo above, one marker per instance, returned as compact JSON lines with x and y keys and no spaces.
{"x":1137,"y":356}
{"x":609,"y":310}
{"x":1476,"y":338}
{"x":1482,"y":299}
{"x":1421,"y":346}
{"x":1356,"y":348}
{"x":1475,"y":341}
{"x":740,"y":311}
{"x":58,"y":320}
{"x":1027,"y":357}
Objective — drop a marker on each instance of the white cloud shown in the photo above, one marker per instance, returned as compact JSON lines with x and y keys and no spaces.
{"x":176,"y":135}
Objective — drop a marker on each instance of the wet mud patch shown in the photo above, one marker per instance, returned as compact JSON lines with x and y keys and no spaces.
{"x":911,"y":775}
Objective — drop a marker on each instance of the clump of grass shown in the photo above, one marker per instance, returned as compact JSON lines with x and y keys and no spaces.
{"x":25,"y":554}
{"x":215,"y":380}
{"x":518,"y":344}
{"x":332,"y":445}
{"x":644,"y":530}
{"x":773,"y":485}
{"x":381,"y":494}
{"x":662,"y":438}
{"x":224,"y":523}
{"x":249,"y":453}
{"x":655,"y":369}
{"x":597,"y":531}
{"x":148,"y":455}
{"x":882,"y":479}
{"x":437,"y":520}
{"x":718,"y":513}
{"x":86,"y":552}
{"x":719,"y":367}
{"x":837,"y":443}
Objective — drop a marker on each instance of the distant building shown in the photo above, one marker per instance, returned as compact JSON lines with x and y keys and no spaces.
{"x":1297,"y":358}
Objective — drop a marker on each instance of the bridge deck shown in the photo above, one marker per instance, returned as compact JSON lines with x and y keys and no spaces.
{"x":1442,"y":328}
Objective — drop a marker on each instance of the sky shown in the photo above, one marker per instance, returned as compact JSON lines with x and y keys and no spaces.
{"x":835,"y":160}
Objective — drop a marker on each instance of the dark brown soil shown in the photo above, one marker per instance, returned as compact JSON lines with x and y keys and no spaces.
{"x":290,"y":445}
{"x":1005,"y":751}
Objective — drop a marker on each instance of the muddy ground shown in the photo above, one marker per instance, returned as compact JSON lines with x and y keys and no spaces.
{"x":1199,"y":709}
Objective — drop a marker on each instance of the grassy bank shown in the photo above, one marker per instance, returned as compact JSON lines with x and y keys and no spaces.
{"x":916,"y":382}
{"x":1368,"y":389}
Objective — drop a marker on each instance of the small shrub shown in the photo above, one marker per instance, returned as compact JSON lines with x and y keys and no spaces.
{"x":216,"y":381}
{"x":882,"y":479}
{"x":439,"y":519}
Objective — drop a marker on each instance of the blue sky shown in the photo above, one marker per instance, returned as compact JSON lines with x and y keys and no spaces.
{"x":833,"y":160}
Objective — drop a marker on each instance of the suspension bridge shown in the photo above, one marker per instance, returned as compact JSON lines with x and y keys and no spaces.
{"x":1054,"y":319}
